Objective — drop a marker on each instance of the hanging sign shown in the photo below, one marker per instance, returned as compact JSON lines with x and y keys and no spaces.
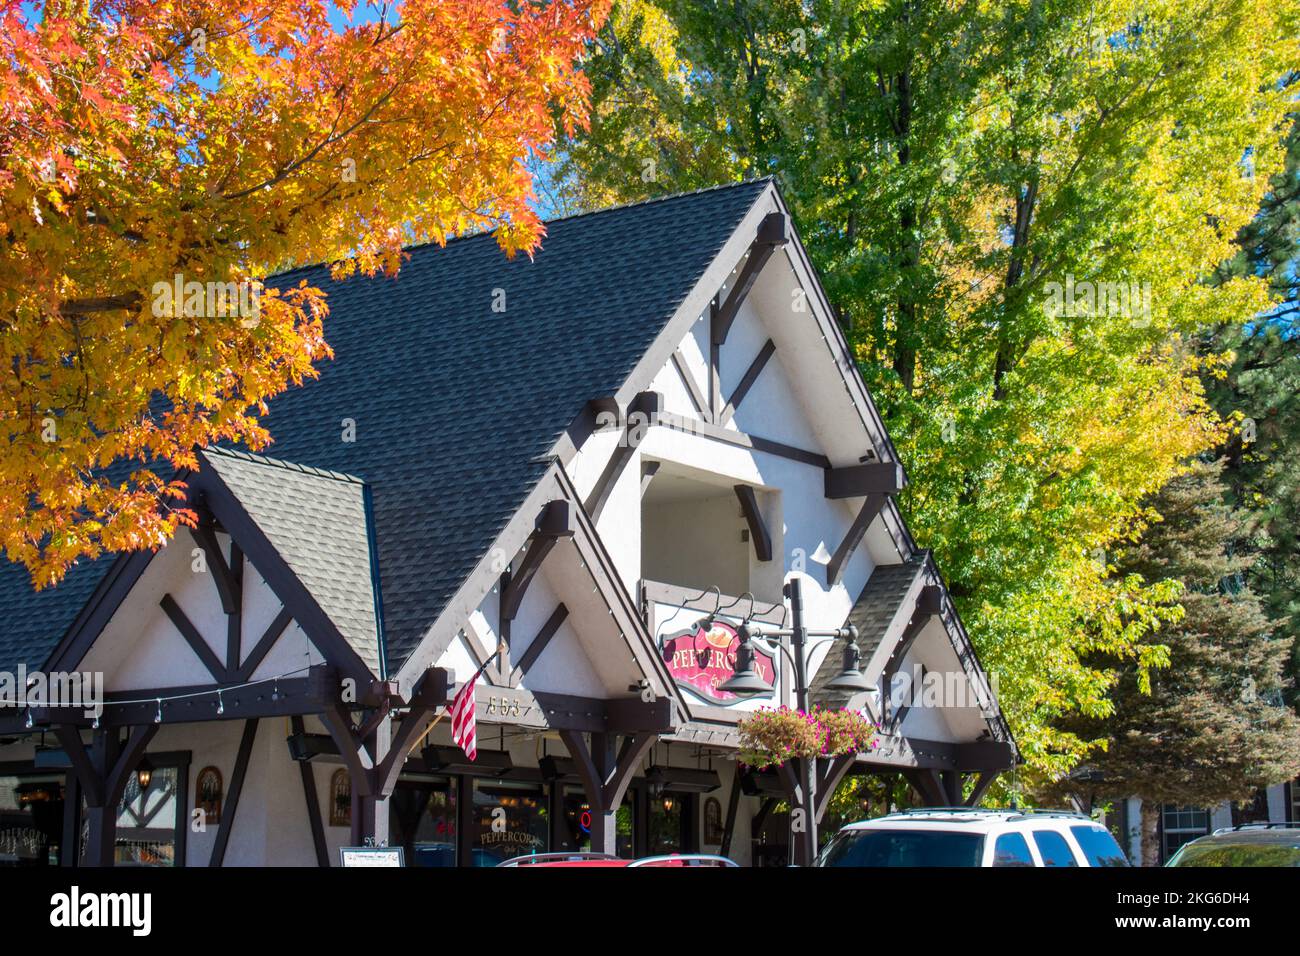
{"x":704,"y":656}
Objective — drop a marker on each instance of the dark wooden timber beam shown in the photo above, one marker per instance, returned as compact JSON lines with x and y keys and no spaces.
{"x":91,"y":782}
{"x":927,"y":785}
{"x":758,"y":532}
{"x":606,"y":786}
{"x":235,"y":619}
{"x":264,"y":645}
{"x":311,"y":799}
{"x":733,"y":808}
{"x":227,"y":587}
{"x":871,"y":507}
{"x":231,"y":805}
{"x":546,"y":711}
{"x":196,"y":703}
{"x":539,"y":643}
{"x":747,"y":381}
{"x":992,"y":756}
{"x":773,"y":233}
{"x":742,"y":440}
{"x":648,"y":471}
{"x":928,"y":604}
{"x":555,"y":522}
{"x":858,"y":481}
{"x":983,"y":780}
{"x":351,"y":748}
{"x":829,"y":775}
{"x":432,"y":692}
{"x":643,"y":412}
{"x":692,"y":387}
{"x":192,"y":637}
{"x":597,"y":415}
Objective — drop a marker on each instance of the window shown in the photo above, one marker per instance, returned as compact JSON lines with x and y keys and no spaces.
{"x":150,"y":818}
{"x":1099,"y":847}
{"x":575,"y":832}
{"x":31,"y":819}
{"x":422,"y":818}
{"x":904,"y":848}
{"x":510,"y":819}
{"x":1181,"y":824}
{"x":1053,"y":848}
{"x":1012,"y":850}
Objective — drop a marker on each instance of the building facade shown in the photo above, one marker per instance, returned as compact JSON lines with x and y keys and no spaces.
{"x":579,"y":475}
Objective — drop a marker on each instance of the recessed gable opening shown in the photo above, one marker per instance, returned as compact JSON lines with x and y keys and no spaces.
{"x":700,"y":535}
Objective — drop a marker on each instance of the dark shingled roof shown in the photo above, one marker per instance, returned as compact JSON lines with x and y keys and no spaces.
{"x":316,"y":521}
{"x":872,"y":613}
{"x":452,"y":402}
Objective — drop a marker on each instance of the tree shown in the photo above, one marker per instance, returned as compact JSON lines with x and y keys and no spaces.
{"x":1014,"y":205}
{"x":1213,"y":726}
{"x":1260,"y":389}
{"x":160,"y":161}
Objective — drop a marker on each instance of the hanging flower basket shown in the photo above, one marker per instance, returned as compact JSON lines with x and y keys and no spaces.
{"x":774,"y":735}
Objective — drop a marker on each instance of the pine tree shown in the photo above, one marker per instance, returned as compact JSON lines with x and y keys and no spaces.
{"x":1262,"y":390}
{"x":1213,"y":727}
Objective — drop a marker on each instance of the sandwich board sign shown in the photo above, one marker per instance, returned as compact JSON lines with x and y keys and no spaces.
{"x":362,"y":856}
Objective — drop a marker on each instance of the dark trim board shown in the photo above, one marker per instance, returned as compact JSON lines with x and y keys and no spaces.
{"x":758,"y":532}
{"x":231,"y":806}
{"x":747,"y":382}
{"x":543,"y":711}
{"x":269,"y":698}
{"x":741,"y":440}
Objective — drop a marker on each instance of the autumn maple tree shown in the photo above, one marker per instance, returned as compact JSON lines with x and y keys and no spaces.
{"x":149,"y":145}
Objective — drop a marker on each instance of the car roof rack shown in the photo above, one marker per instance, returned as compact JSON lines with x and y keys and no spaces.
{"x":533,"y":859}
{"x":1293,"y":825}
{"x":1008,"y":812}
{"x":685,"y":859}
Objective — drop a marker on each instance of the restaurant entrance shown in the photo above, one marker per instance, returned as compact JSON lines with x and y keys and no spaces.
{"x":464,"y":820}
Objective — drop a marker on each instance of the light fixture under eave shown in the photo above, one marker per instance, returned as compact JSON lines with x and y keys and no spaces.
{"x":144,"y":773}
{"x":745,"y":681}
{"x":850,"y":679}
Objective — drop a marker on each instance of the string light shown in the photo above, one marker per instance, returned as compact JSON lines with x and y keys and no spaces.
{"x":157,"y":718}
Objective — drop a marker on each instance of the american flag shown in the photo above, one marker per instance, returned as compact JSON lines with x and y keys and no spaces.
{"x":462,"y":718}
{"x":463,"y":733}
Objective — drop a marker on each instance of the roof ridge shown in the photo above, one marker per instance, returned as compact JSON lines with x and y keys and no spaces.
{"x":282,"y":463}
{"x":617,"y":207}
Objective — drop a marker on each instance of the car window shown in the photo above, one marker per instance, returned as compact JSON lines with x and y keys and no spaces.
{"x":1053,"y":848}
{"x":1012,"y":850}
{"x":903,"y":848}
{"x":1098,"y":846}
{"x":1236,"y":854}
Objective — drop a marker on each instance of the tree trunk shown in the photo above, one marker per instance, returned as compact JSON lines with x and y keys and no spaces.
{"x":1150,"y":833}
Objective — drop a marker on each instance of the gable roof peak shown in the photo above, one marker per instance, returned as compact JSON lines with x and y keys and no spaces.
{"x":256,"y":459}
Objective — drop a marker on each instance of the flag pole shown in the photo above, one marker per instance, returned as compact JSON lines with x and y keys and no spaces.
{"x":477,"y":674}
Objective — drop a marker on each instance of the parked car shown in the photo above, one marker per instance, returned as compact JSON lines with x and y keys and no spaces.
{"x":960,"y":836}
{"x":604,"y":859}
{"x":1252,"y":844}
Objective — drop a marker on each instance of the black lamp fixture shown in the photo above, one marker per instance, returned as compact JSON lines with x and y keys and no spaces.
{"x":850,"y":679}
{"x":144,"y":773}
{"x":744,"y":680}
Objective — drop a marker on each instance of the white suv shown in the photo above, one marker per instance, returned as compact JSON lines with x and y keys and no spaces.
{"x":964,"y":837}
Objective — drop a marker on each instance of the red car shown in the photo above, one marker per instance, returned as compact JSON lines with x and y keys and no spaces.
{"x":582,"y":858}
